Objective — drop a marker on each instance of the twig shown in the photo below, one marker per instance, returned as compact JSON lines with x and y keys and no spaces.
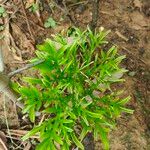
{"x":19,"y":62}
{"x":95,"y":12}
{"x":4,"y":2}
{"x":22,"y":133}
{"x":78,"y":3}
{"x":12,"y":15}
{"x":133,"y":55}
{"x":1,"y":60}
{"x":5,"y":114}
{"x":66,"y":12}
{"x":31,"y":21}
{"x":28,"y":25}
{"x":3,"y":145}
{"x":38,"y":13}
{"x":25,"y":68}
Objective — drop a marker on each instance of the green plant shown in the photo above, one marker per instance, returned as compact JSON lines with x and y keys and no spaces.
{"x":50,"y":23}
{"x":33,"y":8}
{"x":2,"y":27}
{"x":2,"y":12}
{"x":74,"y":90}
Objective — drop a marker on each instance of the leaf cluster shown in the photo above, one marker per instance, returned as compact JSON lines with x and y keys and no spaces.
{"x":2,"y":12}
{"x":50,"y":23}
{"x":74,"y":90}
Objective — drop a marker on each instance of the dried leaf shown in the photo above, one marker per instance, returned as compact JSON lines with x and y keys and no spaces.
{"x":139,"y":20}
{"x":137,"y":4}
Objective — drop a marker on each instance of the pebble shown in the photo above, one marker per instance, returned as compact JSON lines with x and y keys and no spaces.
{"x":80,"y":9}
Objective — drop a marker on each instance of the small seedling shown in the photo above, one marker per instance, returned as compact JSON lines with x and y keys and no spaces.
{"x":50,"y":23}
{"x":2,"y":12}
{"x":2,"y":27}
{"x":33,"y":8}
{"x":74,"y":90}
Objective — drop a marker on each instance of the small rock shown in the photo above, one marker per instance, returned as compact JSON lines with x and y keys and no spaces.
{"x":146,"y":8}
{"x":141,"y":50}
{"x":132,"y":73}
{"x":80,"y":9}
{"x":89,"y":142}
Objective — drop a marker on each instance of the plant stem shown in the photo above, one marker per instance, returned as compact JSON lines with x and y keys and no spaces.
{"x":25,"y":68}
{"x":1,"y":60}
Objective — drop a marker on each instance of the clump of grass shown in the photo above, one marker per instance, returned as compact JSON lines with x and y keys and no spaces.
{"x":71,"y":90}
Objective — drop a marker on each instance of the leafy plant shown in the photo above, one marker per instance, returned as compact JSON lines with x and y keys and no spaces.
{"x":50,"y":23}
{"x":74,"y":90}
{"x":2,"y":12}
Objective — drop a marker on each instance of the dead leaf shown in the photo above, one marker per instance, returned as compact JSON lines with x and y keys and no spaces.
{"x":29,"y":3}
{"x":21,"y":38}
{"x":138,"y":21}
{"x":137,"y":4}
{"x":5,"y":43}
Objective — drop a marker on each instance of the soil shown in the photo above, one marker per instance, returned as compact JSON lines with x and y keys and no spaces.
{"x":129,"y":22}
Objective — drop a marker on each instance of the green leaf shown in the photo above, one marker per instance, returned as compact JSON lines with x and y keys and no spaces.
{"x":32,"y":114}
{"x":32,"y":80}
{"x":26,"y":109}
{"x":84,"y":132}
{"x":130,"y":111}
{"x":76,"y":141}
{"x":44,"y":145}
{"x":50,"y":23}
{"x":85,"y":119}
{"x":104,"y":137}
{"x":96,"y":134}
{"x":2,"y":27}
{"x":124,"y":101}
{"x":25,"y":91}
{"x":65,"y":146}
{"x":120,"y":58}
{"x":93,"y":115}
{"x":15,"y":86}
{"x":72,"y":115}
{"x":52,"y":145}
{"x":67,"y":121}
{"x":2,"y":12}
{"x":32,"y":132}
{"x":34,"y":7}
{"x":68,"y":129}
{"x":49,"y":47}
{"x":112,"y":51}
{"x":58,"y":139}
